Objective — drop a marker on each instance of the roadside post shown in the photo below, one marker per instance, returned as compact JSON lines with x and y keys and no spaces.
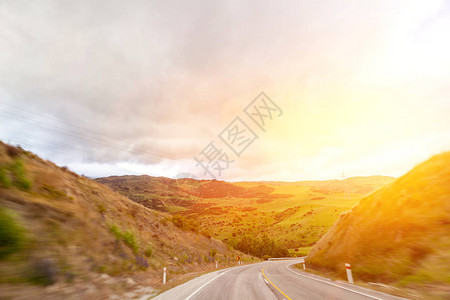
{"x":304,"y":266}
{"x":348,"y":268}
{"x":164,"y":275}
{"x":216,"y":264}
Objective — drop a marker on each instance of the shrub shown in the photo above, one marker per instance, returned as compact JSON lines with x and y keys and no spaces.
{"x":208,"y":259}
{"x":52,"y":192}
{"x":141,"y":262}
{"x":149,"y":251}
{"x":177,"y":220}
{"x":11,"y":234}
{"x":206,"y":234}
{"x":4,"y":180}
{"x":261,"y":247}
{"x":184,"y":223}
{"x":116,"y":231}
{"x":19,"y":172}
{"x":213,"y":252}
{"x":101,"y":208}
{"x":43,"y":272}
{"x":12,"y":151}
{"x":127,"y":237}
{"x":130,"y":241}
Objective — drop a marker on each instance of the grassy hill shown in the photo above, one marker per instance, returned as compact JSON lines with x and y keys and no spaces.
{"x":293,"y":214}
{"x":64,"y":230}
{"x":399,"y":234}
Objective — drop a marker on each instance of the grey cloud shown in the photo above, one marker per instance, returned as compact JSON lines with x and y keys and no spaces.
{"x":161,"y":77}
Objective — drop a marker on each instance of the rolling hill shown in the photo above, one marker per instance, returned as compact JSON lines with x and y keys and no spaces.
{"x":83,"y":240}
{"x":293,"y":214}
{"x":399,"y":234}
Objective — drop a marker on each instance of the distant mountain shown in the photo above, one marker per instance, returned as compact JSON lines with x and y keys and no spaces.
{"x":400,"y":233}
{"x":294,"y":214}
{"x":59,"y":227}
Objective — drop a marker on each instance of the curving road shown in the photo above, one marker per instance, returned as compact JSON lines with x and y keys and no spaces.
{"x":269,"y":280}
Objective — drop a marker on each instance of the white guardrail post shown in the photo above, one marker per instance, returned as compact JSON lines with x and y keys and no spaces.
{"x":348,"y":268}
{"x":164,"y":275}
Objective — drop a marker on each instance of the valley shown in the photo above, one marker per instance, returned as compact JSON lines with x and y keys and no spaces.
{"x":295,"y":215}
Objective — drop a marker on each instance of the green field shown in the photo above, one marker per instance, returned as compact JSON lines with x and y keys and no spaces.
{"x":293,"y":214}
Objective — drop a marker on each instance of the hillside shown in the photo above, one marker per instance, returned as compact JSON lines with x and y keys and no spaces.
{"x":85,"y":240}
{"x":295,"y":215}
{"x":400,"y":234}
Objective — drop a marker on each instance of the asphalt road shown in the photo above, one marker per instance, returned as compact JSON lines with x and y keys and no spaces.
{"x":269,"y":280}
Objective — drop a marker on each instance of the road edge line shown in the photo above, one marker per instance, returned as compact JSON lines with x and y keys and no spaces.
{"x":262,"y":272}
{"x":203,"y":285}
{"x":333,"y":284}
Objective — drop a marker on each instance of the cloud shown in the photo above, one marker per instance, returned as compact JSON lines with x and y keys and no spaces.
{"x":151,"y":83}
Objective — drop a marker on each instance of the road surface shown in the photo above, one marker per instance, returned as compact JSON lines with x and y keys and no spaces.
{"x":269,"y":280}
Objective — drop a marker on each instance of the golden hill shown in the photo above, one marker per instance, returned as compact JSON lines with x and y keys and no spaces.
{"x":64,"y":230}
{"x":399,"y":234}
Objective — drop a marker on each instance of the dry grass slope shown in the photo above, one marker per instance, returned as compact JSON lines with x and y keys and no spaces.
{"x":58,"y":227}
{"x":399,"y":234}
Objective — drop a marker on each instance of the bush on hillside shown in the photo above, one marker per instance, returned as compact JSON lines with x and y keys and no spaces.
{"x":184,"y":223}
{"x":130,"y":240}
{"x":261,"y":247}
{"x":11,"y":234}
{"x":4,"y":179}
{"x":12,"y":151}
{"x":126,"y":236}
{"x":20,"y":180}
{"x":14,"y":173}
{"x":43,"y":272}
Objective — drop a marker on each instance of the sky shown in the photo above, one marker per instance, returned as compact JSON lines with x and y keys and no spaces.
{"x":351,"y":88}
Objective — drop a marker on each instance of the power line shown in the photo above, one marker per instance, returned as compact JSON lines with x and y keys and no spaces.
{"x":76,"y":135}
{"x":73,"y":134}
{"x":95,"y":137}
{"x":56,"y":120}
{"x":67,"y":131}
{"x":49,"y":145}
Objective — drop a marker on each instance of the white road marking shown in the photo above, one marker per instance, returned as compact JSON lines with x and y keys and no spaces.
{"x":333,"y":284}
{"x":197,"y":290}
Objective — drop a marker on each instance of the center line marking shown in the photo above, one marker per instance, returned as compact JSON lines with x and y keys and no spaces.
{"x":262,"y":271}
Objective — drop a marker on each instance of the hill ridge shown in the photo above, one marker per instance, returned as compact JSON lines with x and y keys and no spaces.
{"x":398,"y":234}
